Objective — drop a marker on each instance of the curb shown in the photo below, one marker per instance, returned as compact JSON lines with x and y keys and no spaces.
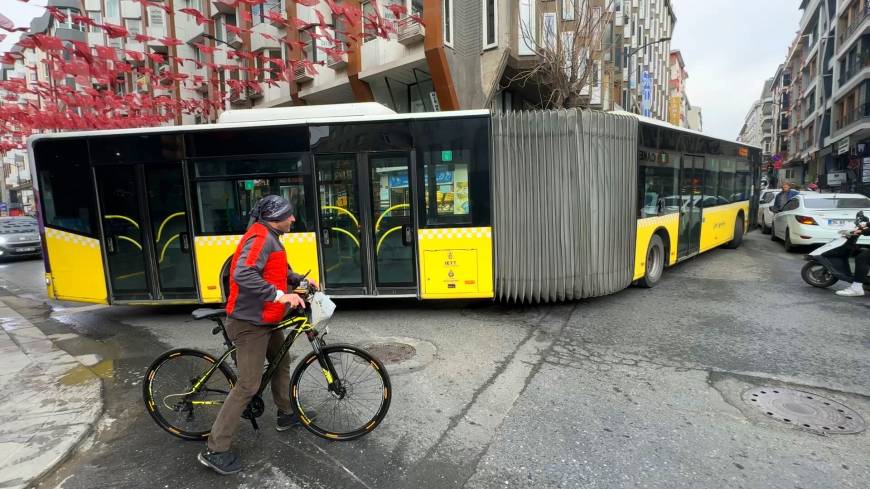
{"x":49,"y":402}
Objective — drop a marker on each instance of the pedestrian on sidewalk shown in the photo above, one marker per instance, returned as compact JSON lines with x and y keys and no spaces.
{"x":259,"y":276}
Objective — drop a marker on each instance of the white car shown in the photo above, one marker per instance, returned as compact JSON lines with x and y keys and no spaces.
{"x":765,"y":215}
{"x":765,"y":208}
{"x":813,"y":218}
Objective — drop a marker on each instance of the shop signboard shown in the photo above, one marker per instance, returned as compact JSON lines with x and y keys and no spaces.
{"x":843,"y":146}
{"x":836,"y":178}
{"x":865,"y":176}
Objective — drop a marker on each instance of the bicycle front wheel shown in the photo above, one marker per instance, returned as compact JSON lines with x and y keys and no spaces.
{"x":177,"y":397}
{"x":350,"y":412}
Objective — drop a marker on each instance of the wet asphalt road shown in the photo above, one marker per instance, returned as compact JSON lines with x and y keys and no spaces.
{"x":639,"y":389}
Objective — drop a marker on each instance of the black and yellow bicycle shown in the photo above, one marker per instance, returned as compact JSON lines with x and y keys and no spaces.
{"x":347,"y":387}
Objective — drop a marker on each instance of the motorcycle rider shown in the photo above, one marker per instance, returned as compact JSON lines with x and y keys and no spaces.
{"x":862,"y":265}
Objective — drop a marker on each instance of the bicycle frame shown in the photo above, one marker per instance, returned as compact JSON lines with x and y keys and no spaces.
{"x":299,"y":324}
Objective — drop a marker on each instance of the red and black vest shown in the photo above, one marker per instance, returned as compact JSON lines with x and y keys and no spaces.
{"x":274,"y":272}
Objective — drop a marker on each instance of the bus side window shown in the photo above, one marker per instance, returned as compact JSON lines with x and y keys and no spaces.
{"x":453,"y":163}
{"x":65,"y":186}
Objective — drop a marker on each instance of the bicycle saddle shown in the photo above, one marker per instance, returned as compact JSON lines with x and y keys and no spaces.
{"x":205,"y":313}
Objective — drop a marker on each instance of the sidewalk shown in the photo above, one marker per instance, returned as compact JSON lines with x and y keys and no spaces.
{"x":48,"y":401}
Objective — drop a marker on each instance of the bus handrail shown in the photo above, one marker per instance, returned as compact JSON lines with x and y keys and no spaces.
{"x":345,"y":231}
{"x":389,"y":209}
{"x":168,"y":241}
{"x":115,"y":216}
{"x":343,"y":210}
{"x":380,"y":241}
{"x":127,"y":238}
{"x":160,"y":229}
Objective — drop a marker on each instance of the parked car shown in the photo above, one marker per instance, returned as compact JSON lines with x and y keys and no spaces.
{"x":19,"y":236}
{"x":765,"y":208}
{"x":811,"y":218}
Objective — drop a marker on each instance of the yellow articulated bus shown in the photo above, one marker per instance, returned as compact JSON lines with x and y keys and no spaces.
{"x":387,"y":205}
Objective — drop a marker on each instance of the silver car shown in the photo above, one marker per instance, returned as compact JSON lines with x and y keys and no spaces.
{"x":19,"y":236}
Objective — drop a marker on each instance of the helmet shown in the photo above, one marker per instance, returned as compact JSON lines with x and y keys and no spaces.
{"x":272,"y":208}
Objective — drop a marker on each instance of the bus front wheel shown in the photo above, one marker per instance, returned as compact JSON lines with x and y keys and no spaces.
{"x":655,"y":262}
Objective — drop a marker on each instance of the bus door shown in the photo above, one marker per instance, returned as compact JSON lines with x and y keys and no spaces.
{"x":366,"y":226}
{"x":146,"y":232}
{"x":691,"y":185}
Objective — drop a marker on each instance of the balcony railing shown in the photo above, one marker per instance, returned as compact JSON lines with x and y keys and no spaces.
{"x":862,"y":111}
{"x":851,"y":28}
{"x":862,"y":61}
{"x":410,"y":30}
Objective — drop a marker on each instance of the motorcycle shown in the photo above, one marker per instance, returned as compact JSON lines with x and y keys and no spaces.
{"x":830,"y":263}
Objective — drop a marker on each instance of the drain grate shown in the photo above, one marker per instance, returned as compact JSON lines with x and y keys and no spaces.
{"x":391,"y":352}
{"x":805,"y":410}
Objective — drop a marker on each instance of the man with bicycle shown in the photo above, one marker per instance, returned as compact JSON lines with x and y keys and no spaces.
{"x":259,"y":276}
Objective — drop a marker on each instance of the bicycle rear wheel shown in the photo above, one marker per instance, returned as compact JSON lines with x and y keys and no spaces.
{"x":355,"y":411}
{"x":170,"y":398}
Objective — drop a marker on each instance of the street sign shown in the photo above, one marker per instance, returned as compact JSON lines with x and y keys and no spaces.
{"x":646,"y":90}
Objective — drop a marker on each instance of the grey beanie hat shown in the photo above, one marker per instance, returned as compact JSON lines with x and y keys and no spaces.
{"x":272,"y":208}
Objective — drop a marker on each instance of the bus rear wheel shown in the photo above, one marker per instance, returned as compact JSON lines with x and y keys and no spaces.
{"x":738,"y":235}
{"x":655,"y":262}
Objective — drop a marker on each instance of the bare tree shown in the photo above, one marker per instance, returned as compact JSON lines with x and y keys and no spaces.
{"x":566,"y":51}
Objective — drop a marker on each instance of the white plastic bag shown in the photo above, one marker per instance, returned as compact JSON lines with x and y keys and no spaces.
{"x":322,"y":308}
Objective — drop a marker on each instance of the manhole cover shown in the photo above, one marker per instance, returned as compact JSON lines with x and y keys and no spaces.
{"x":389,"y":353}
{"x":805,"y":410}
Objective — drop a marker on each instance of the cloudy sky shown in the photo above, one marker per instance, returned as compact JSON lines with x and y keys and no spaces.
{"x":730,"y":48}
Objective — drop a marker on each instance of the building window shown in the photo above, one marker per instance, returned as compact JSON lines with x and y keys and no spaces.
{"x":134,"y":26}
{"x":97,"y":17}
{"x":259,"y":12}
{"x":113,"y":8}
{"x":549,"y":29}
{"x":447,"y":15}
{"x":267,"y":70}
{"x":219,"y":27}
{"x":490,"y":23}
{"x":308,"y":36}
{"x":369,"y":20}
{"x":155,"y":16}
{"x":568,"y":9}
{"x":527,"y":27}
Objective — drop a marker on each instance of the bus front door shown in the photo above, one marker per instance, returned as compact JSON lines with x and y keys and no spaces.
{"x":366,"y":226}
{"x":146,"y":231}
{"x":691,"y":175}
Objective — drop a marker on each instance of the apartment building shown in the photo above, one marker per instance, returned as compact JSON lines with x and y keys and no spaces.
{"x":849,"y":140}
{"x":680,"y":111}
{"x":429,"y":55}
{"x":821,"y":99}
{"x":750,"y":132}
{"x":646,"y":27}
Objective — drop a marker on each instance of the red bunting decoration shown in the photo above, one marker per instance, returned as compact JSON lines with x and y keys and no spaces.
{"x":81,"y":86}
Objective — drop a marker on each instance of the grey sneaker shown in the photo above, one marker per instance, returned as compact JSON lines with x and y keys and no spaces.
{"x":286,"y":421}
{"x":224,"y":463}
